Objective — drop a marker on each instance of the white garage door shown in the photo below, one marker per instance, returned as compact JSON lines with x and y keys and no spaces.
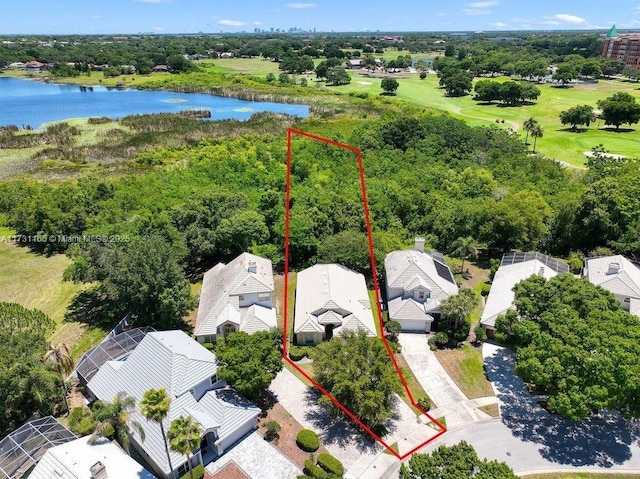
{"x":414,"y":325}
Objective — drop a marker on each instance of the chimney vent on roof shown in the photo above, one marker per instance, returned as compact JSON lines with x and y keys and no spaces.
{"x":252,"y":267}
{"x":419,"y":245}
{"x":614,"y":268}
{"x":98,"y":471}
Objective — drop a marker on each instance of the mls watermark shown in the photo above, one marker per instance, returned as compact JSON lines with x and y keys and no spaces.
{"x":65,"y":239}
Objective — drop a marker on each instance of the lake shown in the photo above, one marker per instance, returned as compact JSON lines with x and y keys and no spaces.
{"x":25,"y":102}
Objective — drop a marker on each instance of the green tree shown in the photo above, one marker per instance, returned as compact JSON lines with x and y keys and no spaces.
{"x":487,"y":90}
{"x":457,"y":83}
{"x":155,"y":407}
{"x":454,"y":462}
{"x":611,"y":67}
{"x":511,"y":92}
{"x":463,"y":248}
{"x":575,"y":344}
{"x":565,"y":72}
{"x":458,"y":308}
{"x":185,"y":437}
{"x":249,"y":362}
{"x":591,"y":68}
{"x":338,"y":76}
{"x":389,"y":85}
{"x":365,"y":384}
{"x":632,"y":73}
{"x":619,"y":109}
{"x":529,"y":125}
{"x":61,"y":357}
{"x":536,"y":132}
{"x":112,"y":420}
{"x":577,"y":115}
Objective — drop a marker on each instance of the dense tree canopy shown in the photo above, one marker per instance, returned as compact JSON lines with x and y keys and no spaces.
{"x":577,"y":345}
{"x":249,"y":362}
{"x":577,"y":115}
{"x":619,"y":109}
{"x":357,"y":371}
{"x":455,"y":462}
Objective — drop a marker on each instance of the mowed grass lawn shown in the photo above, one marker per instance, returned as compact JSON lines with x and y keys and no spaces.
{"x":465,"y":366}
{"x":556,"y":143}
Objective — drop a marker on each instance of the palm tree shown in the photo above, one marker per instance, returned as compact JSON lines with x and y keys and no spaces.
{"x":184,"y":434}
{"x":155,"y":407}
{"x":536,"y":133}
{"x":61,"y":357}
{"x":528,"y":126}
{"x":465,"y":248}
{"x":459,"y":307}
{"x":113,"y":419}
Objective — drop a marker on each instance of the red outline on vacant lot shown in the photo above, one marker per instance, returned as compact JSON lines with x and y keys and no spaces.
{"x":290,"y":133}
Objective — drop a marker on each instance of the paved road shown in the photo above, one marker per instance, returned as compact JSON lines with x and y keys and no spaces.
{"x":449,"y":399}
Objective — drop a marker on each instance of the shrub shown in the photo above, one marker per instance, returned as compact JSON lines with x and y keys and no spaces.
{"x":198,"y":473}
{"x":575,"y":262}
{"x":296,"y":353}
{"x":425,"y":402}
{"x":272,"y":430}
{"x":481,"y":333}
{"x":209,"y":346}
{"x":330,"y":464}
{"x":439,"y":340}
{"x":393,"y":329}
{"x":80,"y":421}
{"x":311,"y":470}
{"x":486,"y":287}
{"x":307,"y":440}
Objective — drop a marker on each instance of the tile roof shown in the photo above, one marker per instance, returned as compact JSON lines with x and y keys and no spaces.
{"x":325,"y":288}
{"x":222,"y":285}
{"x":614,"y":273}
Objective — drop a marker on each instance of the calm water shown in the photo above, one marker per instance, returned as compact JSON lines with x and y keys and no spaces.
{"x":24,"y":102}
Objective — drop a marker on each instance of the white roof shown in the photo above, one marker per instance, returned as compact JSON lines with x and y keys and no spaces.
{"x":408,"y":269}
{"x":332,"y":288}
{"x":74,"y":460}
{"x":222,"y":285}
{"x":615,"y":274}
{"x":172,"y":360}
{"x":501,"y":295}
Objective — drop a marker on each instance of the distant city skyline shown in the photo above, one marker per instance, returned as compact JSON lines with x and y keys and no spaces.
{"x":207,"y":16}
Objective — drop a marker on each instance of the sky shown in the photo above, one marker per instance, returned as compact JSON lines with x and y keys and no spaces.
{"x":214,"y":16}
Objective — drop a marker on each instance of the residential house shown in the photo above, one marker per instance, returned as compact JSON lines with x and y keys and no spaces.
{"x":188,"y":372}
{"x":417,"y":283}
{"x":354,"y":64}
{"x":330,"y":298}
{"x":35,"y":66}
{"x":161,"y":69}
{"x":80,"y":460}
{"x":617,"y":275}
{"x":515,"y":267}
{"x":236,"y":297}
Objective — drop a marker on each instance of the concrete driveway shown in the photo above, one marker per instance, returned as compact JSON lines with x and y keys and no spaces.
{"x":449,"y":399}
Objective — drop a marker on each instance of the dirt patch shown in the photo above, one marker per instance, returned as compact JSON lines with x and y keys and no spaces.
{"x":491,"y":409}
{"x":286,"y":444}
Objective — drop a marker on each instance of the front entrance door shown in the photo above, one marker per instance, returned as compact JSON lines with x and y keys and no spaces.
{"x":328,"y":331}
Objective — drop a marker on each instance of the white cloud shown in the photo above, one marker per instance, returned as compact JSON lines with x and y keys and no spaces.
{"x":489,"y":3}
{"x":551,"y":22}
{"x":566,"y":18}
{"x":151,"y":1}
{"x":231,"y":23}
{"x":257,"y":24}
{"x":441,"y":14}
{"x":475,"y":11}
{"x":301,"y":5}
{"x":97,"y":17}
{"x":498,"y":25}
{"x":158,"y":29}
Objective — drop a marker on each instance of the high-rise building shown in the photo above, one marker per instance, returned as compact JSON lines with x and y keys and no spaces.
{"x":624,"y":47}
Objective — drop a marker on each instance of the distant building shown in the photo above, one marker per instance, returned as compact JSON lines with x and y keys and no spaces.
{"x":623,"y":47}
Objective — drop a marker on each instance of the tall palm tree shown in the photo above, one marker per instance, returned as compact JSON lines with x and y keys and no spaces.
{"x":155,"y":407}
{"x":184,"y":434}
{"x":61,"y":357}
{"x":465,"y":248}
{"x":536,"y":133}
{"x":113,"y":419}
{"x":528,"y":126}
{"x":459,"y":307}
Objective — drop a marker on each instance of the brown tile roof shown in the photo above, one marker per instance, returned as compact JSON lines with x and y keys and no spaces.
{"x":230,"y":471}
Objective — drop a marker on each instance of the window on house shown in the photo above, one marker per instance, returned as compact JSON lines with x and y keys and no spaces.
{"x":308,"y":338}
{"x":264,"y":296}
{"x":627,"y":300}
{"x":182,"y":470}
{"x":421,"y":295}
{"x":241,"y":298}
{"x":214,"y":379}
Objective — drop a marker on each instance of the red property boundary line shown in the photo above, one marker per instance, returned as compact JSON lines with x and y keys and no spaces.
{"x":290,"y":133}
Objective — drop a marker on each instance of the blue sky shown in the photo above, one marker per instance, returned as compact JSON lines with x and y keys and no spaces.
{"x":187,"y":16}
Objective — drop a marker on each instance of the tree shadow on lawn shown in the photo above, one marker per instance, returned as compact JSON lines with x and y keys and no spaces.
{"x":339,"y":431}
{"x":573,"y":130}
{"x":603,"y":441}
{"x":613,"y":129}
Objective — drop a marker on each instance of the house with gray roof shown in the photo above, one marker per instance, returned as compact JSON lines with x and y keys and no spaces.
{"x":417,"y":283}
{"x":617,"y":275}
{"x":188,"y":371}
{"x":330,"y":298}
{"x":515,"y":267}
{"x":80,"y":460}
{"x":236,"y":297}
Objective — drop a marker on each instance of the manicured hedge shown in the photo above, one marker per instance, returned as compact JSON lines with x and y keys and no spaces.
{"x":311,"y":470}
{"x":330,"y":464}
{"x":296,"y":353}
{"x":308,"y":440}
{"x":425,"y":402}
{"x":198,"y":473}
